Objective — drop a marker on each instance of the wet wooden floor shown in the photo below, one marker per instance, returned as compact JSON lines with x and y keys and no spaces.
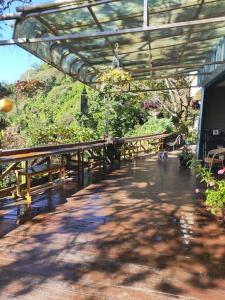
{"x":139,"y":234}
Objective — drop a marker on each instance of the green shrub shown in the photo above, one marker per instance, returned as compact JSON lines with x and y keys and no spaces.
{"x":152,"y":126}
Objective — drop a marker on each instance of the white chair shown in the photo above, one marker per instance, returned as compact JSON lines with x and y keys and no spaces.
{"x":175,"y":143}
{"x":215,"y":157}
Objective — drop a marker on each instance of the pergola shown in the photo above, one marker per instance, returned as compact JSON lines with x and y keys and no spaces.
{"x":157,"y":38}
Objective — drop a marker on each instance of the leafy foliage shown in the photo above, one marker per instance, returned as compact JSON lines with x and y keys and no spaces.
{"x":4,"y":91}
{"x":48,"y":110}
{"x":152,"y":126}
{"x":215,"y":197}
{"x":124,"y":113}
{"x":173,"y":101}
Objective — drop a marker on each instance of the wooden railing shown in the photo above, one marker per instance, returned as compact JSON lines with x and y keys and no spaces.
{"x":75,"y":157}
{"x":134,"y":146}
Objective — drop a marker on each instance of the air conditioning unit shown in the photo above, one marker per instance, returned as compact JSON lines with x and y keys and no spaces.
{"x":215,"y":132}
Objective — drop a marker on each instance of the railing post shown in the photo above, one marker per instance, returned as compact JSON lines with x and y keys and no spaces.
{"x":78,"y":167}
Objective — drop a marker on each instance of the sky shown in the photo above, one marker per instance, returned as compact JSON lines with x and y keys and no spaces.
{"x":14,"y":61}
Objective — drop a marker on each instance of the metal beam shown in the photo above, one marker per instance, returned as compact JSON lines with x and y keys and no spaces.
{"x":184,"y":73}
{"x":147,"y":76}
{"x":7,"y":17}
{"x":191,"y":65}
{"x":137,"y":91}
{"x":100,"y":34}
{"x":43,"y":9}
{"x":58,"y":4}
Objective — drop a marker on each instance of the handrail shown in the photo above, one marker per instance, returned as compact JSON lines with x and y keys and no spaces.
{"x":80,"y":155}
{"x":144,"y":137}
{"x":6,"y":152}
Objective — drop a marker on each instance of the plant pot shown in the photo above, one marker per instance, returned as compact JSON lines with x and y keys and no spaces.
{"x":184,"y":162}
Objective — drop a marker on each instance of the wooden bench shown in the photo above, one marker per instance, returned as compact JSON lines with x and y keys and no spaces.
{"x":35,"y":171}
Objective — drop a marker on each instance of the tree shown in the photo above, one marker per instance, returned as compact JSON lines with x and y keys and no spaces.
{"x":124,"y":113}
{"x":173,"y":100}
{"x":110,"y":111}
{"x":5,"y":4}
{"x":4,"y":91}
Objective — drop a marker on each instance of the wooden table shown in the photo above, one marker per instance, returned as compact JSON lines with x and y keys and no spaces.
{"x":14,"y":159}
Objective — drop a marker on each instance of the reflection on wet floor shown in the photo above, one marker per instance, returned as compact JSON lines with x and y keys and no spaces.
{"x":138,"y":234}
{"x":18,"y":211}
{"x":186,"y":226}
{"x":45,"y":200}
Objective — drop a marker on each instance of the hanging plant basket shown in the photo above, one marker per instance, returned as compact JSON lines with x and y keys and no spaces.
{"x":114,"y":77}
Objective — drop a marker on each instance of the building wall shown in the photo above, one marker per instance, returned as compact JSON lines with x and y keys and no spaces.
{"x":214,"y":109}
{"x":213,"y":117}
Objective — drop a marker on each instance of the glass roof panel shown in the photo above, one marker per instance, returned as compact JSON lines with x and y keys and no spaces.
{"x":212,"y":9}
{"x":119,"y":9}
{"x":179,"y":15}
{"x":89,"y":34}
{"x":73,"y":18}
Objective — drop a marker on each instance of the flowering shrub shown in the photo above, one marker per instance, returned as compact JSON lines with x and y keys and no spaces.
{"x":195,"y":105}
{"x":29,"y":87}
{"x":215,"y":192}
{"x":221,"y":172}
{"x":215,"y":197}
{"x":149,"y":105}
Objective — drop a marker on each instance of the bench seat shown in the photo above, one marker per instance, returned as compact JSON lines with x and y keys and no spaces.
{"x":40,"y":169}
{"x":35,"y":171}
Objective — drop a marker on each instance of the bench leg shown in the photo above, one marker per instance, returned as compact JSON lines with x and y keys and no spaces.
{"x":28,"y":195}
{"x":18,"y":190}
{"x":50,"y":178}
{"x":60,"y":178}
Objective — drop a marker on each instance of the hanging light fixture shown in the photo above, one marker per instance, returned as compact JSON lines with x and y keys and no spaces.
{"x":84,"y":102}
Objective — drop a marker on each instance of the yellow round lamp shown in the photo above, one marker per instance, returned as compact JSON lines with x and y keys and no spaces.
{"x":6,"y":105}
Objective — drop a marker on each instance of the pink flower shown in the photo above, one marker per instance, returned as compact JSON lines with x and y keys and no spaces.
{"x":221,"y":172}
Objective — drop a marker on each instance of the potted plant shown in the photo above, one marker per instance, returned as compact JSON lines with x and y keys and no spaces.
{"x":215,"y":188}
{"x":215,"y":197}
{"x":185,"y":156}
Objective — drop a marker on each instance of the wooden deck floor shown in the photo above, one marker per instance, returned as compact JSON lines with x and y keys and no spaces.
{"x":139,"y":234}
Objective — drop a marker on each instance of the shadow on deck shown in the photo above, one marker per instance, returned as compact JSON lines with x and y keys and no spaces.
{"x":139,"y":234}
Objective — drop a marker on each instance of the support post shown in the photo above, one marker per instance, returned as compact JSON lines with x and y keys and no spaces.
{"x":106,"y":116}
{"x":199,"y":152}
{"x":78,"y":166}
{"x":145,"y":14}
